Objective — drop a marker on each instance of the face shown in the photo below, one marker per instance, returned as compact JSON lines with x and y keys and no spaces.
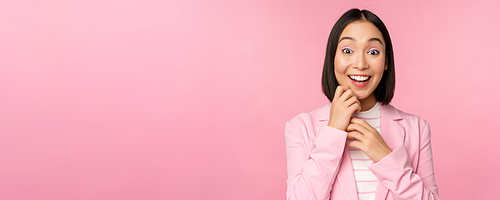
{"x":360,"y":58}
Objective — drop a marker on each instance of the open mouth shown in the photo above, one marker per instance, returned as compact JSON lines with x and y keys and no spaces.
{"x":359,"y":80}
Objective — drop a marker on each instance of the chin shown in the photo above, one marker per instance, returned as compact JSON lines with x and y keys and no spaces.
{"x":362,"y":95}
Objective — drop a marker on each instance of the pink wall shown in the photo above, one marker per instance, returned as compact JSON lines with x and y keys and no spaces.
{"x":188,"y":99}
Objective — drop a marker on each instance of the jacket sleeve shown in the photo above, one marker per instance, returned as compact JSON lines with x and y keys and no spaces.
{"x":311,"y":174}
{"x":397,"y":174}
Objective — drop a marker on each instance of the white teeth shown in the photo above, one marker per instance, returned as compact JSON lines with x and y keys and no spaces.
{"x":359,"y":78}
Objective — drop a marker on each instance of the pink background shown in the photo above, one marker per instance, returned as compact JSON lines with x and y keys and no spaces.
{"x":124,"y":99}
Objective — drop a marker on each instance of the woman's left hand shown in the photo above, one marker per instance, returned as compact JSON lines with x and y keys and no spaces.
{"x":369,"y":139}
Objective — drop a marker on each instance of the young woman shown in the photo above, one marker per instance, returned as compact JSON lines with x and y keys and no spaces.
{"x":358,"y":146}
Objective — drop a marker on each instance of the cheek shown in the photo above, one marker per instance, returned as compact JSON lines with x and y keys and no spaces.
{"x":378,"y":65}
{"x":340,"y":66}
{"x":339,"y":73}
{"x":378,"y":78}
{"x":341,"y":61}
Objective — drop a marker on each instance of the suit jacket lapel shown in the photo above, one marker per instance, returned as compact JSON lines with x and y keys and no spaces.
{"x":390,"y":129}
{"x":393,"y":134}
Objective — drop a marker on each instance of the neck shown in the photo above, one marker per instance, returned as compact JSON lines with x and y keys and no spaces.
{"x":368,"y":102}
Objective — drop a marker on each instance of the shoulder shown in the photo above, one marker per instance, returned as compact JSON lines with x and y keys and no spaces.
{"x":304,"y":127}
{"x":399,"y":114}
{"x":408,"y":120}
{"x":311,"y":117}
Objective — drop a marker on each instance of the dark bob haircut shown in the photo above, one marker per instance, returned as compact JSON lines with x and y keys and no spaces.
{"x":385,"y":89}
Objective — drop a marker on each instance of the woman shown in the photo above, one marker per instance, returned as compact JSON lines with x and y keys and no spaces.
{"x":358,"y":146}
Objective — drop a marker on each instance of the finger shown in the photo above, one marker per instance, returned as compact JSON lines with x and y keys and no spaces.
{"x":359,"y":107}
{"x":355,"y":107}
{"x":338,"y":92}
{"x":352,"y":100}
{"x":353,"y":94}
{"x":346,"y":95}
{"x":361,"y":122}
{"x":355,"y":97}
{"x":355,"y":120}
{"x":352,"y":104}
{"x":355,"y":144}
{"x":356,"y":135}
{"x":345,"y":87}
{"x":359,"y":128}
{"x":350,"y":136}
{"x":355,"y":127}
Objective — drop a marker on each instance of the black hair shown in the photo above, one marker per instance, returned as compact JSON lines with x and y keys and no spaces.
{"x":385,"y":89}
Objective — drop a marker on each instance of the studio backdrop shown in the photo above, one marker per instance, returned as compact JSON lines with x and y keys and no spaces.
{"x":128,"y":99}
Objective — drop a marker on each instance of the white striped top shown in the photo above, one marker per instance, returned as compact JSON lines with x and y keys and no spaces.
{"x":366,"y":182}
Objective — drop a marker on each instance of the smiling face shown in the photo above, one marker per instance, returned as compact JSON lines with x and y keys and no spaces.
{"x":360,"y":59}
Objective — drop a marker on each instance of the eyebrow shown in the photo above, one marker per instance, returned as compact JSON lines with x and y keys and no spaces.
{"x":371,"y":39}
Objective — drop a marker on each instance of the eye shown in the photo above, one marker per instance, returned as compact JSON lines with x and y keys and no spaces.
{"x":373,"y":52}
{"x":346,"y":51}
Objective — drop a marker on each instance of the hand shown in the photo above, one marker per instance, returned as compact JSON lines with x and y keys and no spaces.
{"x":369,"y":139}
{"x":344,"y":104}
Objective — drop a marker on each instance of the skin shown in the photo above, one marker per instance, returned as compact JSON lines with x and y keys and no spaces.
{"x":361,"y":51}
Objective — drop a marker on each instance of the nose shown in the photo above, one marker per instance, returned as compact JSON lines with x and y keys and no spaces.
{"x":360,"y":62}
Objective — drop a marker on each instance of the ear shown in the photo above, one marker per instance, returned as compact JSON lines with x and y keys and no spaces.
{"x":385,"y":67}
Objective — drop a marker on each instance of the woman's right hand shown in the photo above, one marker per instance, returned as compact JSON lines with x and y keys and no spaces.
{"x":344,"y":104}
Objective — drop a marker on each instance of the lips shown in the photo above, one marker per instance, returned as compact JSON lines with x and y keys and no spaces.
{"x":359,"y":80}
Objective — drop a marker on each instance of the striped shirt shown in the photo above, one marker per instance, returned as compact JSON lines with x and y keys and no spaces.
{"x":366,"y":182}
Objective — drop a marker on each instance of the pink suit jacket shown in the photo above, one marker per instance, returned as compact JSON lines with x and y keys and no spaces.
{"x":319,"y":165}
